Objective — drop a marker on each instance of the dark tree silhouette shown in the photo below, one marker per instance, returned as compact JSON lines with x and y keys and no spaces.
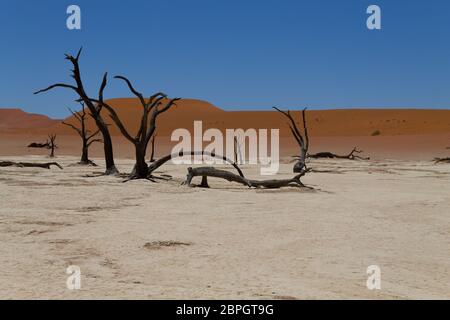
{"x":38,"y":145}
{"x":329,"y":155}
{"x":442,"y":160}
{"x":29,"y":164}
{"x":152,"y":154}
{"x":302,"y":139}
{"x":151,"y":109}
{"x":94,"y":106}
{"x":205,"y":172}
{"x":86,"y":138}
{"x":52,"y":144}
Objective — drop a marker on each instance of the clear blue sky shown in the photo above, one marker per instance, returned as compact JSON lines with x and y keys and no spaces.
{"x":234,"y":53}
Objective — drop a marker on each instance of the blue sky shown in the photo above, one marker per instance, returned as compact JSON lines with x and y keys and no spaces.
{"x":236,"y":54}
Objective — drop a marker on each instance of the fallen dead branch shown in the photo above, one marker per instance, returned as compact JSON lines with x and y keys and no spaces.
{"x":164,"y":244}
{"x":88,"y":163}
{"x":329,"y":155}
{"x":205,"y":172}
{"x":442,"y":160}
{"x":29,"y":165}
{"x":158,"y":163}
{"x":216,"y":173}
{"x":39,"y":145}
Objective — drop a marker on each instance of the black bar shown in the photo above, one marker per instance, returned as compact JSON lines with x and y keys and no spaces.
{"x":222,"y":309}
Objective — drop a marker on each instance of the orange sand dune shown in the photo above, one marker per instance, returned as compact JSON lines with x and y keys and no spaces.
{"x":321,"y":123}
{"x":16,"y":120}
{"x":403,"y":133}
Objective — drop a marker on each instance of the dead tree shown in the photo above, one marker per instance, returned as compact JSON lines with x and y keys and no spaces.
{"x":302,"y":139}
{"x":152,"y":154}
{"x":151,"y":109}
{"x":94,"y":106}
{"x":229,"y":176}
{"x":329,"y":155}
{"x":52,"y":144}
{"x":29,"y":165}
{"x":38,"y":145}
{"x":205,"y":172}
{"x":86,"y":138}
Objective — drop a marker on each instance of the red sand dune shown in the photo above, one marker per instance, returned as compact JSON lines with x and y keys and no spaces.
{"x":323,"y":123}
{"x":16,"y":120}
{"x":416,"y":133}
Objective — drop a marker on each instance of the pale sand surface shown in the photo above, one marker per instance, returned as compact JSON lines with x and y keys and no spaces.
{"x":242,"y":244}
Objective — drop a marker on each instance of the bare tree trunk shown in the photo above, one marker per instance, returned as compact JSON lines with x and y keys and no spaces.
{"x":152,"y":155}
{"x":108,"y":150}
{"x":204,"y":183}
{"x":84,"y":153}
{"x":52,"y":145}
{"x":301,"y":163}
{"x":302,"y":139}
{"x":141,"y":168}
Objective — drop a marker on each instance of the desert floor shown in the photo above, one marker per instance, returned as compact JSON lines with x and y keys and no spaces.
{"x":226,"y":242}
